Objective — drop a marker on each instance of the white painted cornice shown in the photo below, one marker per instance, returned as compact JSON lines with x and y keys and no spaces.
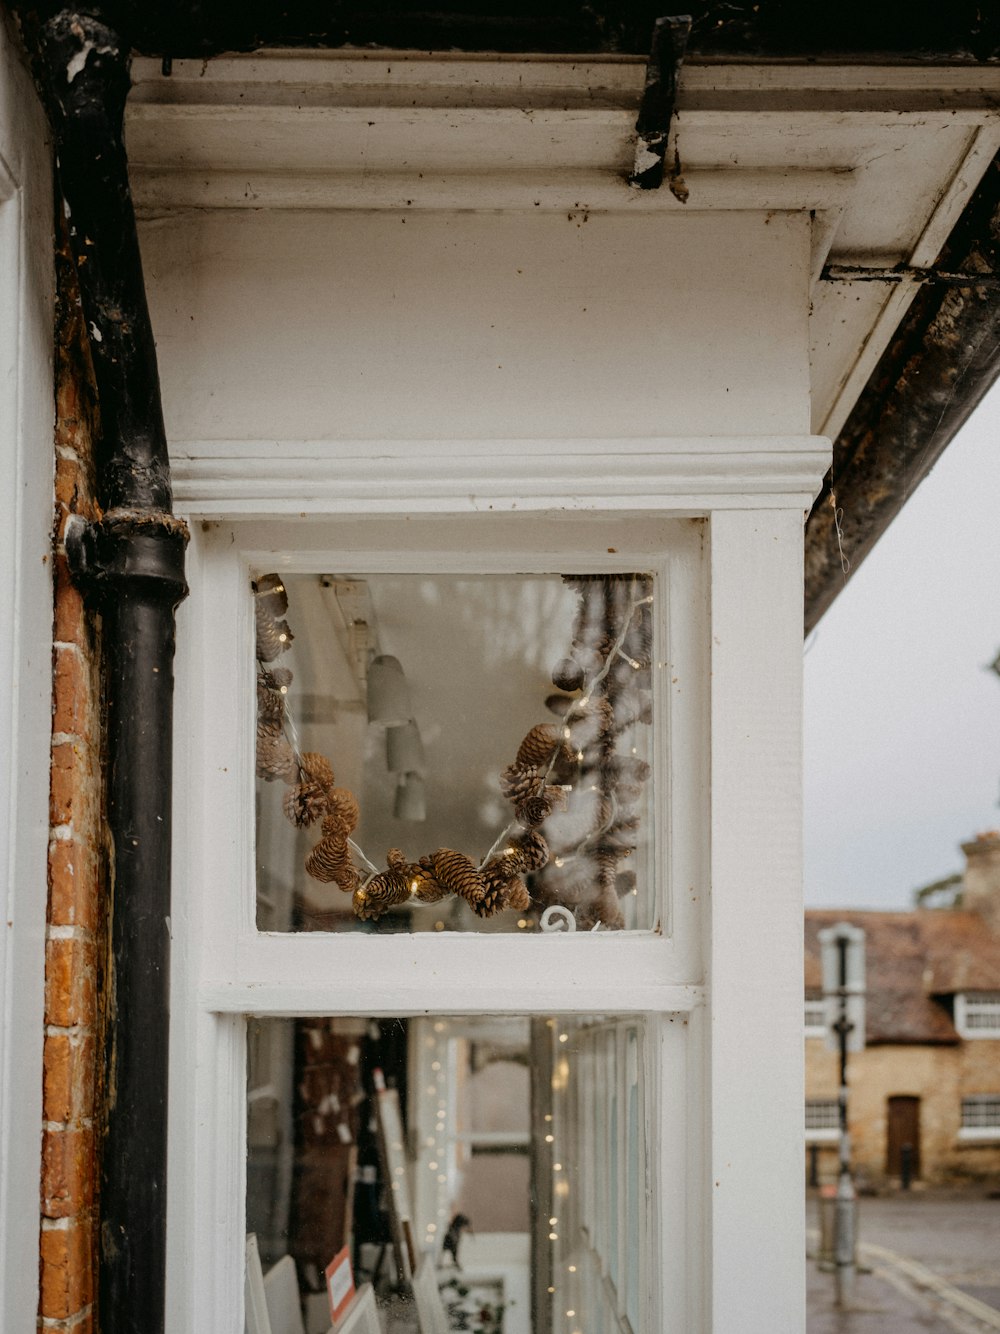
{"x":243,"y":479}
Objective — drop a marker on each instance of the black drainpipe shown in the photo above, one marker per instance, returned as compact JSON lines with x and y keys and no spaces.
{"x":131,"y":565}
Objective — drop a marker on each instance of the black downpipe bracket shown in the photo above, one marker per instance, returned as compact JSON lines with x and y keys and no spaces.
{"x":131,"y":566}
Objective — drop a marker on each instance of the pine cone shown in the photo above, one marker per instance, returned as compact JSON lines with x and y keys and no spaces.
{"x":518,"y":897}
{"x":305,"y":803}
{"x":532,"y":851}
{"x":270,"y":590}
{"x":344,"y":812}
{"x":380,"y":894}
{"x":425,"y":887}
{"x":534,"y":811}
{"x":458,"y":873}
{"x":395,"y":861}
{"x":275,"y":756}
{"x":316,"y":767}
{"x":567,"y":674}
{"x":274,"y":678}
{"x":328,"y":858}
{"x":273,"y":636}
{"x":518,"y":781}
{"x":543,"y":744}
{"x":270,"y":704}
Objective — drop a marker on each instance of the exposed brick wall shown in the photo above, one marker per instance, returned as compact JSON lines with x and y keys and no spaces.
{"x":67,"y":1244}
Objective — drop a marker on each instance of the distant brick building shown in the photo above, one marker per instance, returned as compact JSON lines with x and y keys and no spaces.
{"x":929,"y":1077}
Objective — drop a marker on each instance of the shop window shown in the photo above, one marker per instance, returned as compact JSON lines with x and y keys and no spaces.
{"x":451,"y":752}
{"x":508,"y":1157}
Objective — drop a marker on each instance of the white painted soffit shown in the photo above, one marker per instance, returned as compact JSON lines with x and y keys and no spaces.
{"x":884,"y":157}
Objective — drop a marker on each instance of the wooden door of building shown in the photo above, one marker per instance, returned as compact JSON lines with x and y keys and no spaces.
{"x":903,"y":1132}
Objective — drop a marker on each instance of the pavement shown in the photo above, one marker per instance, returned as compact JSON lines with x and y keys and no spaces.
{"x":929,"y":1263}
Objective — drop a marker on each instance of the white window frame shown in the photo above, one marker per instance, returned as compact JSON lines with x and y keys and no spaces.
{"x":26,"y":464}
{"x":973,"y":1006}
{"x":970,"y":1101}
{"x":730,"y":708}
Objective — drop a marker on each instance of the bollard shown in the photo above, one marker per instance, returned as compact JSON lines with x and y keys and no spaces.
{"x":905,"y":1166}
{"x":845,"y":1240}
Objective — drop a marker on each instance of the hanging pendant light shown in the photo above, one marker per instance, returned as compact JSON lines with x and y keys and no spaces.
{"x":404,"y":749}
{"x":388,"y":693}
{"x":411,"y":798}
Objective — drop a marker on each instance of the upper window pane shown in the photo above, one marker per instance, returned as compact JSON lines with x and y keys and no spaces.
{"x":455,"y":752}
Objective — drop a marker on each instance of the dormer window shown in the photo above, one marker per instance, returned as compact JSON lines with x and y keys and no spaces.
{"x":977,"y":1014}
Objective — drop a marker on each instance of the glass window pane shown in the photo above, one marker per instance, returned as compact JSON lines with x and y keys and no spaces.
{"x":456,"y":1155}
{"x":451,"y":752}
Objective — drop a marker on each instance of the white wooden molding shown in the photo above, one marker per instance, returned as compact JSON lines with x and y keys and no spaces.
{"x":239,"y":479}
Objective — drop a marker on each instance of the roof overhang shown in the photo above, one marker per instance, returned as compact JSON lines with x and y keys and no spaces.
{"x":886,"y":159}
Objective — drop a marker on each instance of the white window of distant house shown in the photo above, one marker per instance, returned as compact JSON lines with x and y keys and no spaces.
{"x":980,"y":1116}
{"x":822,"y":1120}
{"x":977,"y":1014}
{"x":815,"y":1016}
{"x":593,"y":1023}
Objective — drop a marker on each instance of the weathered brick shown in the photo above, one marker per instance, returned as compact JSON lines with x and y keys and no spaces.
{"x":67,"y":1171}
{"x":69,"y":982}
{"x":73,"y":784}
{"x":67,"y":1283}
{"x":68,"y":1077}
{"x":71,"y":698}
{"x":73,"y":880}
{"x":70,"y":624}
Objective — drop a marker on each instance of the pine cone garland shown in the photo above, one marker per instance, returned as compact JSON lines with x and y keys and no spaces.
{"x":317,"y":767}
{"x":381,"y":893}
{"x":275,"y":756}
{"x":305,"y":803}
{"x":328,"y":858}
{"x":270,"y":704}
{"x":543,"y":744}
{"x":425,"y":887}
{"x":518,"y":781}
{"x":457,"y":873}
{"x":518,"y":897}
{"x":273,"y":636}
{"x":532,"y":851}
{"x":344,"y":812}
{"x":270,"y":591}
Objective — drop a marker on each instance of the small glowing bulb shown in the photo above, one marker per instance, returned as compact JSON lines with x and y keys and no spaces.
{"x":557,"y":1167}
{"x":433,"y":1167}
{"x":566,"y":734}
{"x":432,"y":1227}
{"x":413,"y":886}
{"x":635,"y":750}
{"x":579,"y":754}
{"x":549,"y":1139}
{"x":435,"y":1065}
{"x":282,"y":639}
{"x":279,"y":588}
{"x":439,"y":1027}
{"x":553,"y":1222}
{"x":439,"y":926}
{"x":441,"y":1181}
{"x":522,"y":922}
{"x":571,"y":1314}
{"x":571,"y":1268}
{"x":551,"y":1289}
{"x":553,"y":1236}
{"x":548,"y":1116}
{"x":560,"y":861}
{"x":564,"y":1037}
{"x":283,"y":689}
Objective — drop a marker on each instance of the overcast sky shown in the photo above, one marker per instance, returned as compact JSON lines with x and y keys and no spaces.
{"x":902,"y":725}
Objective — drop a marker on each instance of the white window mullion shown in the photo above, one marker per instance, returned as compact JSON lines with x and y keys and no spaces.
{"x":755,"y":973}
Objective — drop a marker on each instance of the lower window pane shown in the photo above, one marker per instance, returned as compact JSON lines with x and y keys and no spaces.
{"x":481,"y":1173}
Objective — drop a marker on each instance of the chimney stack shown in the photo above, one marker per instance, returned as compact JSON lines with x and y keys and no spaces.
{"x":981,"y":881}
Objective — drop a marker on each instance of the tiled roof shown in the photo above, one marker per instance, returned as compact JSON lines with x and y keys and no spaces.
{"x":914,"y":962}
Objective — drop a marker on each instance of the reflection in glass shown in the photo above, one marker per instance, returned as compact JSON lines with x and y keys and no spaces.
{"x":470,"y":1164}
{"x":417,"y":770}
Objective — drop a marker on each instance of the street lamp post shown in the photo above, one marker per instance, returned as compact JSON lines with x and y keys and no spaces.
{"x":843,"y":987}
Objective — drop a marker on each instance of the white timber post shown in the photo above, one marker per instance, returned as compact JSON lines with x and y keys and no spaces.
{"x":754,"y":945}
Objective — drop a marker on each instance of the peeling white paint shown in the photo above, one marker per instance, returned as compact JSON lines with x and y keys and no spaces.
{"x":78,"y":62}
{"x":644,"y":159}
{"x":95,"y":333}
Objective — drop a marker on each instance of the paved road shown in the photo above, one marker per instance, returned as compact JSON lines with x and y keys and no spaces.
{"x":936,"y":1268}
